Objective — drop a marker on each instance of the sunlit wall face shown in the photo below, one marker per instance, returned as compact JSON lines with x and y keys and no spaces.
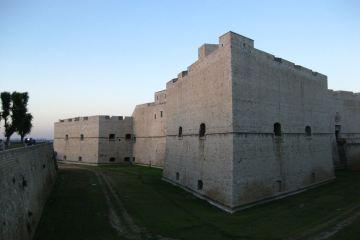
{"x":93,"y":57}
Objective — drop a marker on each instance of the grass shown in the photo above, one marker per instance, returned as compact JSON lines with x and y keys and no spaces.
{"x":167,"y":210}
{"x":76,"y":209}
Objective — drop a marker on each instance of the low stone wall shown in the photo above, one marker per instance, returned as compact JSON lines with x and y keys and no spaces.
{"x":26,"y":179}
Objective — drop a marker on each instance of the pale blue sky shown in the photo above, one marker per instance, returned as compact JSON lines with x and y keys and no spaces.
{"x":103,"y":57}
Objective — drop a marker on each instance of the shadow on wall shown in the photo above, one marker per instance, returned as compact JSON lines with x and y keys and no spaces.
{"x":26,"y":179}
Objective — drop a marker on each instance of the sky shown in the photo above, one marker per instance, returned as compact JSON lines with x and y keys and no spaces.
{"x":88,"y":57}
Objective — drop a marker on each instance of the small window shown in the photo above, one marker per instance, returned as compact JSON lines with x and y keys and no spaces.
{"x":66,"y":137}
{"x":85,"y":118}
{"x":112,"y":159}
{"x":180,"y":132}
{"x":64,"y":157}
{"x":313,"y":176}
{"x":111,"y":137}
{"x":128,"y":136}
{"x":177,"y":176}
{"x":133,"y":159}
{"x":277,"y":129}
{"x":200,"y":185}
{"x":155,"y":116}
{"x":337,"y":131}
{"x":308,"y":131}
{"x":202,"y":130}
{"x":80,"y":158}
{"x":126,"y":159}
{"x":82,"y":137}
{"x":161,"y":113}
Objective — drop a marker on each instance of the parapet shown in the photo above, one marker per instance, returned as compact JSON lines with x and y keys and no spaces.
{"x":97,"y":117}
{"x":231,"y":38}
{"x":345,"y":94}
{"x":206,"y":50}
{"x":160,"y":96}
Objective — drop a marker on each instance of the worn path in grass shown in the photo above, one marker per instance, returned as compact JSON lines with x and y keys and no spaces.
{"x":124,"y":202}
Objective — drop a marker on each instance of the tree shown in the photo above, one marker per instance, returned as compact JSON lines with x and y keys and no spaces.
{"x":26,"y":126}
{"x":21,"y":119}
{"x":6,"y":113}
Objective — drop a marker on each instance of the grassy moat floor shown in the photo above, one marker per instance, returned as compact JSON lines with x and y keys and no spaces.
{"x":132,"y":202}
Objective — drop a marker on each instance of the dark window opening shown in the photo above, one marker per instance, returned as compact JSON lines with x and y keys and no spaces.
{"x":337,"y":131}
{"x":85,"y":118}
{"x":81,"y":137}
{"x":308,"y":131}
{"x":133,"y":159}
{"x":126,"y":159}
{"x":161,"y":113}
{"x":180,"y":132}
{"x":112,"y":159}
{"x":202,"y":130}
{"x":200,"y":185}
{"x":128,"y":136}
{"x":66,"y":137}
{"x":155,"y":116}
{"x":64,"y":157}
{"x":313,"y":177}
{"x":277,"y":129}
{"x":80,"y":158}
{"x":177,"y":176}
{"x":111,"y":136}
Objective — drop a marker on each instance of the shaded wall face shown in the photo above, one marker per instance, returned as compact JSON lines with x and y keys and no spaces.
{"x":266,"y":91}
{"x":116,"y":140}
{"x":201,"y":95}
{"x":73,"y":148}
{"x":26,"y":179}
{"x":345,"y":119}
{"x":150,"y":132}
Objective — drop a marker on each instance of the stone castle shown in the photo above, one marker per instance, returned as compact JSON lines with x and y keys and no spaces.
{"x":239,"y":127}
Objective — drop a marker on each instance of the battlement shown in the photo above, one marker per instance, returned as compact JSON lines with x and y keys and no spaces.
{"x":234,"y":40}
{"x":345,"y":94}
{"x":97,"y":117}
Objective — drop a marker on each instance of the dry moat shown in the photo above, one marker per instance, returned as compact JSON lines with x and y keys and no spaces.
{"x":132,"y":202}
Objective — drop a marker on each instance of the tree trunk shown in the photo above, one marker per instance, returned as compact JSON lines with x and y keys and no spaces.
{"x":22,"y":138}
{"x":7,"y":143}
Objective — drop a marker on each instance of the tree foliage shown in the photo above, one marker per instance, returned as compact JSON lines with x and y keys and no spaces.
{"x":6,"y":107}
{"x":14,"y":108}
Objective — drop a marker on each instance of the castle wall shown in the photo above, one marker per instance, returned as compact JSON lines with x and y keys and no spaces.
{"x":119,"y":149}
{"x":268,"y":90}
{"x":26,"y":179}
{"x":150,"y":131}
{"x":87,"y":140}
{"x":345,"y":117}
{"x":202,"y":95}
{"x":67,"y":142}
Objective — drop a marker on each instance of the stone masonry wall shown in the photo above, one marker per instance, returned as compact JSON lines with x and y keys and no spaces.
{"x":345,"y":118}
{"x":68,"y":145}
{"x":269,"y":90}
{"x":26,"y":179}
{"x":94,"y":140}
{"x":150,"y":131}
{"x":202,"y":94}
